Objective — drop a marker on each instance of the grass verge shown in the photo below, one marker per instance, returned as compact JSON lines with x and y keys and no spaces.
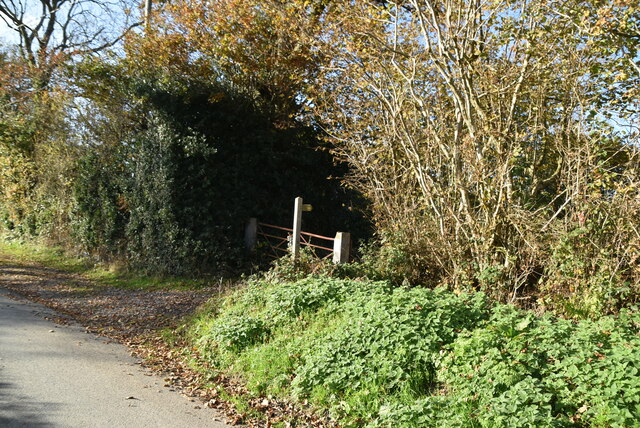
{"x":372,"y":355}
{"x":107,"y":275}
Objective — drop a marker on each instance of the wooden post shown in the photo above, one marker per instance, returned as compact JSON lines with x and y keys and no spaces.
{"x":297,"y":228}
{"x":341,"y":247}
{"x":251,"y":234}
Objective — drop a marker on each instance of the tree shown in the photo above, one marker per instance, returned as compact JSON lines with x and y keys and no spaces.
{"x":33,"y":148}
{"x":191,"y":169}
{"x":38,"y":146}
{"x":468,"y":126}
{"x":265,"y":49}
{"x":52,"y":31}
{"x":612,"y":29}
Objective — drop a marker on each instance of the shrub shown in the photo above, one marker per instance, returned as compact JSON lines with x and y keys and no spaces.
{"x":346,"y":344}
{"x":290,"y":300}
{"x":101,"y":212}
{"x":389,"y":339}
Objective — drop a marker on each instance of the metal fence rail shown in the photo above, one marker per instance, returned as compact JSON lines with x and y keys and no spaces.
{"x":282,"y":240}
{"x":278,"y":244}
{"x":305,"y":240}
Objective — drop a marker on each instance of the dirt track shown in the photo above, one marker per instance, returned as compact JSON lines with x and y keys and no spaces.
{"x":111,"y":311}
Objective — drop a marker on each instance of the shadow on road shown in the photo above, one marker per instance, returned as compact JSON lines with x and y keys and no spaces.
{"x":26,"y":277}
{"x":19,"y":411}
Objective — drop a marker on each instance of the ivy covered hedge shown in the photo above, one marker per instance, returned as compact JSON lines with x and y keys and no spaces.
{"x":398,"y":357}
{"x":173,"y":194}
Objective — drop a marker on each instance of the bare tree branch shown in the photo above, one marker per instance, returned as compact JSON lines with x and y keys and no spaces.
{"x":52,"y":31}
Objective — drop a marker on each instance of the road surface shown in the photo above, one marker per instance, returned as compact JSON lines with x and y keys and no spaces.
{"x":60,"y":376}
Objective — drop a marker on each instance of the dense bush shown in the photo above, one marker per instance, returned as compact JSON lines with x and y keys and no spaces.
{"x":170,"y":229}
{"x":171,"y":188}
{"x":396,"y":357}
{"x":158,"y":163}
{"x":17,"y":180}
{"x":36,"y":157}
{"x":100,"y":212}
{"x":482,"y":164}
{"x":510,"y":171}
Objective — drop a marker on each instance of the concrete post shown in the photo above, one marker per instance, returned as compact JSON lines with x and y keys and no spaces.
{"x":251,"y":234}
{"x":341,"y":248}
{"x":297,"y":228}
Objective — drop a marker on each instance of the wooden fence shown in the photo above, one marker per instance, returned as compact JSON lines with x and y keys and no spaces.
{"x":281,"y":241}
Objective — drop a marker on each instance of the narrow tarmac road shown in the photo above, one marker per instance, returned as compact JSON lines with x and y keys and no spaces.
{"x":59,"y":376}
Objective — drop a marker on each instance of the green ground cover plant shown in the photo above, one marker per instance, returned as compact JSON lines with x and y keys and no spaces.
{"x":383,"y":356}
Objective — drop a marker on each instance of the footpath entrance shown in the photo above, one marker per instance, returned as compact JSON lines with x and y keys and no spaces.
{"x":281,"y":241}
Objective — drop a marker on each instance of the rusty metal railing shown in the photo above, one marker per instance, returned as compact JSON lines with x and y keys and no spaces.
{"x":278,"y":244}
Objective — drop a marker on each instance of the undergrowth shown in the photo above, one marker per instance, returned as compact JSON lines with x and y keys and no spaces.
{"x":379,"y":356}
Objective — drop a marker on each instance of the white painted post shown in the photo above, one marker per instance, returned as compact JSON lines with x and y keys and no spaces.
{"x":251,"y":234}
{"x":341,"y":247}
{"x":297,"y":228}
